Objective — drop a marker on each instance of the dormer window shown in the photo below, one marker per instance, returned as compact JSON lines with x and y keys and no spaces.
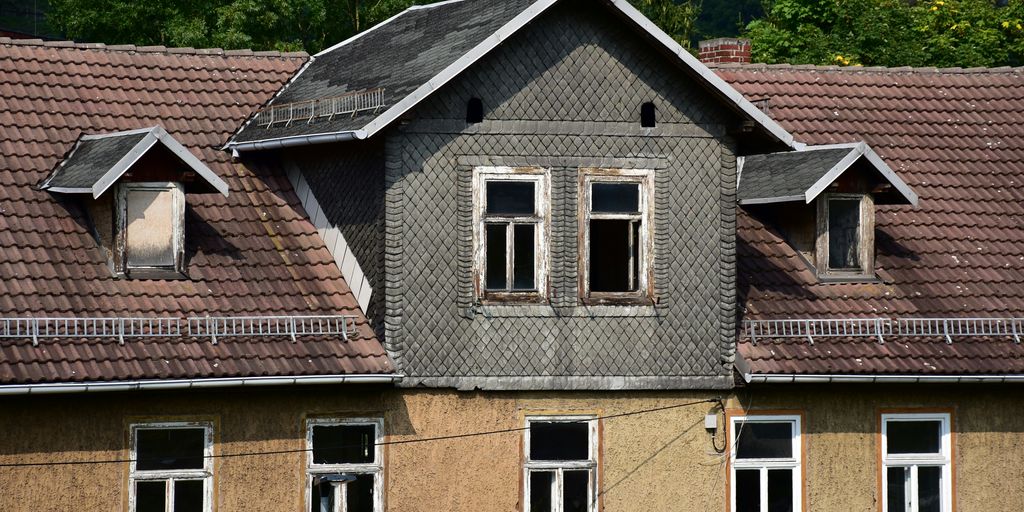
{"x":845,"y":240}
{"x":151,"y":224}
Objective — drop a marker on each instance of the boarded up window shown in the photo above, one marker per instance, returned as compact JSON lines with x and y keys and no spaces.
{"x":150,"y":227}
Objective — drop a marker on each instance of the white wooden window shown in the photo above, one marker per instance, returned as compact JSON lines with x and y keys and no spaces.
{"x":151,"y":229}
{"x":560,"y":470}
{"x":616,"y":233}
{"x":344,"y":467}
{"x":171,"y":468}
{"x":846,"y":235}
{"x":511,"y":221}
{"x":917,"y":465}
{"x":765,"y":464}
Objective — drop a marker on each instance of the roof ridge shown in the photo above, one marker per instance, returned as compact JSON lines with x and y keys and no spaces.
{"x":7,"y":41}
{"x":866,"y":69}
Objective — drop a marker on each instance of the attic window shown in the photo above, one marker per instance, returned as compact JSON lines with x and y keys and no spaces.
{"x":647,"y":115}
{"x":150,"y":229}
{"x":474,"y":111}
{"x":845,"y":237}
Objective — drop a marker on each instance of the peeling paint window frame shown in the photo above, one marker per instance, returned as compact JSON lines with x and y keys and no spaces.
{"x":376,"y":468}
{"x":122,"y":244}
{"x":559,"y":467}
{"x":170,"y":476}
{"x":915,"y":461}
{"x":865,"y":238}
{"x":645,"y":273}
{"x":794,"y":463}
{"x":541,"y":220}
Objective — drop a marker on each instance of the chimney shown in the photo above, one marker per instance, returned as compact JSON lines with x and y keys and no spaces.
{"x":725,"y":49}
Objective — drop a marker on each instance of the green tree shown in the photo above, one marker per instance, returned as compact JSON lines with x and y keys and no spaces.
{"x":676,"y":17}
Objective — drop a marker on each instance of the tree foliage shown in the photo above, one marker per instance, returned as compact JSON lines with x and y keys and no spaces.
{"x":943,"y":33}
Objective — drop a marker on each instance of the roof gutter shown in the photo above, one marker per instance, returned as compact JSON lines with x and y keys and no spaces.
{"x":789,"y":378}
{"x":287,"y":142}
{"x":179,"y":384}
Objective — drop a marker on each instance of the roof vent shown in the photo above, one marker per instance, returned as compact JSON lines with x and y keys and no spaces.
{"x":474,"y":111}
{"x":647,"y":115}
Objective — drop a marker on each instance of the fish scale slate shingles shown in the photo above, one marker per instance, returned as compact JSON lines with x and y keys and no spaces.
{"x":957,"y":138}
{"x":253,"y":253}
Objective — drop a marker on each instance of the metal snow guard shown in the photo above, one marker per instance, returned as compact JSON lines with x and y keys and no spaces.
{"x":878,"y":328}
{"x":310,"y":110}
{"x":960,"y":327}
{"x":291,"y":326}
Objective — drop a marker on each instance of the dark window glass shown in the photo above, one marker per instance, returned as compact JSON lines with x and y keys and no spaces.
{"x":474,"y":111}
{"x":843,"y":224}
{"x":151,"y":496}
{"x":559,"y":441}
{"x":896,"y":480}
{"x":510,"y":197}
{"x":780,"y":490}
{"x":343,"y":444}
{"x":169,"y":448}
{"x":647,"y":118}
{"x":764,"y":440}
{"x":188,"y":496}
{"x":614,"y":252}
{"x":929,"y":489}
{"x":913,"y":436}
{"x":615,"y":197}
{"x":748,"y":490}
{"x":360,"y":494}
{"x":496,"y":263}
{"x":523,"y":256}
{"x":540,"y":490}
{"x":575,"y":486}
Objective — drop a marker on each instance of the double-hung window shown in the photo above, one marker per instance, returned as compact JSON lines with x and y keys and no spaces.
{"x":916,"y":460}
{"x":344,"y":465}
{"x":510,"y":211}
{"x":616,"y":233}
{"x":171,"y":468}
{"x":765,"y":464}
{"x":560,"y":471}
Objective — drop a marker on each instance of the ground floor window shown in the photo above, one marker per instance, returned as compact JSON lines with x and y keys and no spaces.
{"x":344,"y":465}
{"x":765,"y":464}
{"x":171,"y":468}
{"x":560,"y":470}
{"x":916,"y":462}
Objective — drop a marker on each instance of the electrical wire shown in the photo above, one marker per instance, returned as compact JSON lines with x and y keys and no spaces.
{"x":385,"y":443}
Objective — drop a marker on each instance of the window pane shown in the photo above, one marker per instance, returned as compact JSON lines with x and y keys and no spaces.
{"x":343,"y":444}
{"x":764,"y":440}
{"x":360,"y":494}
{"x":929,"y":489}
{"x":523,"y":256}
{"x":612,"y":256}
{"x":188,"y":496}
{"x":575,"y":489}
{"x":748,"y":490}
{"x":495,"y":250}
{"x":559,"y":441}
{"x":913,"y":436}
{"x":843,"y":223}
{"x":541,"y":485}
{"x":150,"y":225}
{"x":615,"y":197}
{"x":321,"y":497}
{"x":896,"y":480}
{"x":170,"y":448}
{"x":150,"y":496}
{"x":510,"y":197}
{"x":780,"y":490}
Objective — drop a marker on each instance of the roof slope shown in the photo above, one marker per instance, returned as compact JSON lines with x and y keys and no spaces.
{"x":252,"y":253}
{"x":957,"y":138}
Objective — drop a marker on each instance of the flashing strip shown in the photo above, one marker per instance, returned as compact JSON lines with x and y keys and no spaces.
{"x":178,"y":384}
{"x":790,"y":378}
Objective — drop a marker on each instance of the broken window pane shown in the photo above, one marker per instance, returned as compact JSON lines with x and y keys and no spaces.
{"x":748,"y":490}
{"x":523,"y":256}
{"x":150,"y":228}
{"x":896,"y":481}
{"x":559,"y":441}
{"x":615,"y":197}
{"x":929,"y":489}
{"x":170,"y":448}
{"x":151,"y":496}
{"x":575,"y":491}
{"x":188,"y":496}
{"x":764,"y":440}
{"x":343,"y":444}
{"x":322,"y":497}
{"x":510,"y":197}
{"x":360,"y":494}
{"x":541,"y":487}
{"x":913,"y":436}
{"x":843,"y":228}
{"x":614,"y":255}
{"x":497,"y":278}
{"x":780,"y":490}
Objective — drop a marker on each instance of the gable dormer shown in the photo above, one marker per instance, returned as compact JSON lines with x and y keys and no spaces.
{"x":822,"y":199}
{"x":133,"y":184}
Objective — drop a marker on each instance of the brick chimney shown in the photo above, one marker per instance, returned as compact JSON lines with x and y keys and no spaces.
{"x":725,"y":49}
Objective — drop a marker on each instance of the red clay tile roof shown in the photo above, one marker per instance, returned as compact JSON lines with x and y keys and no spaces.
{"x":253,"y":253}
{"x":957,"y":138}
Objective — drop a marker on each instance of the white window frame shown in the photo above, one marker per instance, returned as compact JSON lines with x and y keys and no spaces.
{"x":559,"y":467}
{"x":794,"y":463}
{"x":916,"y":460}
{"x":865,"y":237}
{"x":644,"y":178}
{"x":205,"y":474}
{"x":178,"y":230}
{"x":541,"y":219}
{"x":376,"y":468}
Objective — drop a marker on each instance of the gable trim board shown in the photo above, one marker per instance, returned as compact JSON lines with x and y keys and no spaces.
{"x":483,"y":48}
